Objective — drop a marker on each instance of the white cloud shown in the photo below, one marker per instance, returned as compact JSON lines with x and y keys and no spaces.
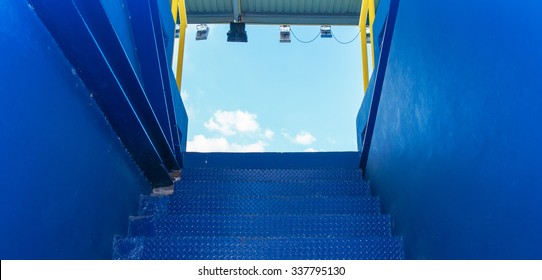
{"x":304,"y":138}
{"x":254,"y":147}
{"x":230,"y":123}
{"x":310,"y":150}
{"x":200,"y":143}
{"x":184,"y":95}
{"x":269,"y":134}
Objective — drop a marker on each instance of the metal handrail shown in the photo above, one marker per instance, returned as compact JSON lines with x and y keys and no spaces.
{"x":367,"y":10}
{"x":178,"y":10}
{"x":379,"y":83}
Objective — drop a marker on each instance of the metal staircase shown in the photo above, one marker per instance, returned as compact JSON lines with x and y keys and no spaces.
{"x":262,"y":213}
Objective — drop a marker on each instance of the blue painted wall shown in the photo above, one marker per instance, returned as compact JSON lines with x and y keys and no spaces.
{"x":67,"y":183}
{"x":457,"y":153}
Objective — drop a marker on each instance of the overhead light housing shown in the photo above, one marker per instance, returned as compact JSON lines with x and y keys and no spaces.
{"x":285,"y":34}
{"x":202,"y":31}
{"x":177,"y":30}
{"x":325,"y":31}
{"x":237,"y":32}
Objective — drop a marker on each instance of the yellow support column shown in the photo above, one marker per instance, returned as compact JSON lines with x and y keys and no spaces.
{"x":182,"y":35}
{"x":371,"y":21}
{"x":367,"y":9}
{"x":174,"y":9}
{"x":364,"y":62}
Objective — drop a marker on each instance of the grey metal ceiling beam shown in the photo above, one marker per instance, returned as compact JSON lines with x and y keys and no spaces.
{"x":260,"y":18}
{"x":198,"y":18}
{"x":301,"y":19}
{"x":294,"y":12}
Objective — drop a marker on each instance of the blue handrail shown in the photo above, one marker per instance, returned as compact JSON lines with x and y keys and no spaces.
{"x":378,"y":83}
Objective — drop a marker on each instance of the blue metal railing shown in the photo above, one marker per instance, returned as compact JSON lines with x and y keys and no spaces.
{"x":379,"y":75}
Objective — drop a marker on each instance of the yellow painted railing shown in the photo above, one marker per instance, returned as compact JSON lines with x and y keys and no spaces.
{"x":367,"y":10}
{"x":178,"y":9}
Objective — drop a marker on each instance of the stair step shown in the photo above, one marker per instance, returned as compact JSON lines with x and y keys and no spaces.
{"x":223,"y":248}
{"x":269,"y":175}
{"x":362,"y":205}
{"x":261,"y":225}
{"x":251,"y":189}
{"x":152,"y":205}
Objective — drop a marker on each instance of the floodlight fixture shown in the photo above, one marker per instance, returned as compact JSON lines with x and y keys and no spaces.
{"x":202,"y":31}
{"x":237,"y":32}
{"x":285,"y":34}
{"x":325,"y":31}
{"x":177,"y":30}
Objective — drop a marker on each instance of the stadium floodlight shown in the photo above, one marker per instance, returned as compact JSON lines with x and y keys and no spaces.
{"x":325,"y":31}
{"x":202,"y":31}
{"x":237,"y":32}
{"x":285,"y":34}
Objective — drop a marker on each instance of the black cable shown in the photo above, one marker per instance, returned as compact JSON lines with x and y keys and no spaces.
{"x":317,"y":35}
{"x":345,"y":43}
{"x":304,"y":42}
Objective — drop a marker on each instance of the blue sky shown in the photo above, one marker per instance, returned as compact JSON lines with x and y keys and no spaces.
{"x":266,"y":96}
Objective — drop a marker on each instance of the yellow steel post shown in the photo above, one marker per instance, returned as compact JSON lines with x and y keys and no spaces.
{"x":182,"y":35}
{"x":174,"y":9}
{"x":371,"y":21}
{"x":364,"y":62}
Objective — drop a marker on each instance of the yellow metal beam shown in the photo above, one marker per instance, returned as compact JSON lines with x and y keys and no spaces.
{"x":367,"y":10}
{"x":371,"y":21}
{"x":174,"y":9}
{"x":181,"y":8}
{"x":364,"y":62}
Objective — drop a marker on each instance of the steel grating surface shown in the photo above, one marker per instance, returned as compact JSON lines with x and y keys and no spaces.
{"x":285,"y":205}
{"x":262,"y":225}
{"x":220,"y":213}
{"x":152,"y":205}
{"x":270,"y":175}
{"x":222,"y":248}
{"x":251,"y":189}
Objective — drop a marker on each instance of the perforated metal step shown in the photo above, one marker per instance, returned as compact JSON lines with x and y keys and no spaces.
{"x":221,"y":248}
{"x":255,"y":189}
{"x":269,"y":175}
{"x":286,"y":205}
{"x":152,"y":205}
{"x":261,"y":225}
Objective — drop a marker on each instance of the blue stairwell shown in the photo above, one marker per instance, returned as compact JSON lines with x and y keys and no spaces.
{"x":227,"y":211}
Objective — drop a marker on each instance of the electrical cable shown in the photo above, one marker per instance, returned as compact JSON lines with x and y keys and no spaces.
{"x":304,"y":42}
{"x":318,"y":35}
{"x":345,"y":43}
